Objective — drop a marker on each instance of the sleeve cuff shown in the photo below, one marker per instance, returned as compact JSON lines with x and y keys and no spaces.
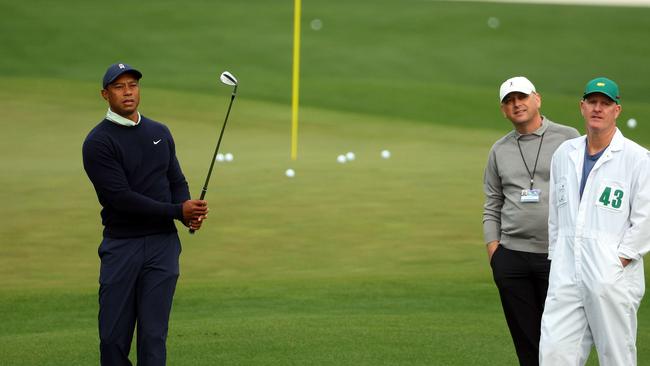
{"x":177,"y":211}
{"x":491,"y":232}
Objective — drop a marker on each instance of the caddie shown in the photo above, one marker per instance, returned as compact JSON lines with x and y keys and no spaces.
{"x":599,"y":231}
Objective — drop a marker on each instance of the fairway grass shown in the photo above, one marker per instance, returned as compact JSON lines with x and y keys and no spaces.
{"x":432,"y":61}
{"x":373,"y":262}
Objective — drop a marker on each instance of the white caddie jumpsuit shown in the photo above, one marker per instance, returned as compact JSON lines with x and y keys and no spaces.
{"x":592,"y":298}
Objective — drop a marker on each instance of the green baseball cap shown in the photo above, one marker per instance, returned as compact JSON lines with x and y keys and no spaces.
{"x":603,"y":86}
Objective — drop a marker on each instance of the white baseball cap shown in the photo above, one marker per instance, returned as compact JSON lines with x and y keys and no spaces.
{"x":516,"y":84}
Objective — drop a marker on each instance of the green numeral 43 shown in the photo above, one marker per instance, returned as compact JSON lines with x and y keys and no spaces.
{"x":605,"y":197}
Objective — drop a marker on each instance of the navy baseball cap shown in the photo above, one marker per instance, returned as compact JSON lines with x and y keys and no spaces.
{"x":115,"y":70}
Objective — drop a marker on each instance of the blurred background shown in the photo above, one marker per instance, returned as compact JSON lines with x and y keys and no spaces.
{"x":375,"y":261}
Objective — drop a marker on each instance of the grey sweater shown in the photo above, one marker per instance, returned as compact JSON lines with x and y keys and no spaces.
{"x":517,"y":225}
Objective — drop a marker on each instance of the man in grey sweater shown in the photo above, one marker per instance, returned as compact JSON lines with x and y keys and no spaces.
{"x":515,"y":214}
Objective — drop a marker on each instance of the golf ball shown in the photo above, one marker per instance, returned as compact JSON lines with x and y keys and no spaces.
{"x":341,"y":159}
{"x":350,"y":155}
{"x":290,"y":173}
{"x":385,"y":154}
{"x":219,"y":157}
{"x":631,"y":123}
{"x":316,"y":24}
{"x":228,"y":157}
{"x":493,"y":22}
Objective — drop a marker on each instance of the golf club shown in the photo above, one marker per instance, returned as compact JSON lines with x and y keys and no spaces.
{"x":228,"y":79}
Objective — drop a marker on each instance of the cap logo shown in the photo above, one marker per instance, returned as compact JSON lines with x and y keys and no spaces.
{"x":121,"y":66}
{"x":600,"y":84}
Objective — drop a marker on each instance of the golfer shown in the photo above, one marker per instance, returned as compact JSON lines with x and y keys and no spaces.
{"x":599,"y":230}
{"x":131,"y":162}
{"x":516,"y":211}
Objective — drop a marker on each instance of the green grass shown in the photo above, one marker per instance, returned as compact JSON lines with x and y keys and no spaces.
{"x":373,"y":262}
{"x":344,"y":264}
{"x":377,"y":262}
{"x":431,"y":61}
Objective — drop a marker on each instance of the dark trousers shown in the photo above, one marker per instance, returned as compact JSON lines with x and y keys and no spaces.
{"x":522,"y":280}
{"x":136,"y":285}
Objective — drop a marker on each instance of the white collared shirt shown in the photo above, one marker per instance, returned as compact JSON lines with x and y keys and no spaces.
{"x":116,"y":118}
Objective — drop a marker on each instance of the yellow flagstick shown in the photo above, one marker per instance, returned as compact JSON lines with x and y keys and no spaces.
{"x":296,"y":80}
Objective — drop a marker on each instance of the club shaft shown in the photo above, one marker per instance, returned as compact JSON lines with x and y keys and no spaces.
{"x":204,"y":190}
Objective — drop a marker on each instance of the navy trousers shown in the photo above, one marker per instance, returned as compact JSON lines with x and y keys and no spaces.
{"x":522,"y":279}
{"x":137,"y":280}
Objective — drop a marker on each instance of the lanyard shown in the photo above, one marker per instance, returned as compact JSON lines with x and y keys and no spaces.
{"x":532,"y":175}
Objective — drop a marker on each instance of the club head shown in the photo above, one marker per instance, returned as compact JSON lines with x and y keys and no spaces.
{"x":228,"y":78}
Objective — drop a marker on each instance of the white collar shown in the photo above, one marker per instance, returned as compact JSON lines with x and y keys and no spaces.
{"x":116,"y":118}
{"x":615,"y":145}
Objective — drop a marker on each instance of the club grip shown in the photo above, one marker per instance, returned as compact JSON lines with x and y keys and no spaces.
{"x":205,"y":189}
